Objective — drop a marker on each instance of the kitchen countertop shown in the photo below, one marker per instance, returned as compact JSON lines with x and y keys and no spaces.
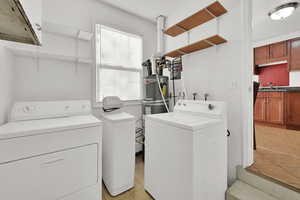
{"x":279,"y":89}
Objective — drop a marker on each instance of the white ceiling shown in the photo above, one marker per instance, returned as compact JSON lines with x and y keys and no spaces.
{"x":173,"y":9}
{"x":263,"y":26}
{"x":261,"y":8}
{"x":148,"y":9}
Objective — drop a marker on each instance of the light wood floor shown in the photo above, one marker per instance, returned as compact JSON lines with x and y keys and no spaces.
{"x":278,"y":155}
{"x":138,"y":192}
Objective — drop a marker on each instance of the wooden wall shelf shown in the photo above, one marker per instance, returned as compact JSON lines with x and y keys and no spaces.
{"x":197,"y":46}
{"x":212,"y":11}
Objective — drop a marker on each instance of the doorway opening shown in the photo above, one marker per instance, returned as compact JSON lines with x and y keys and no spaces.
{"x":276,"y":97}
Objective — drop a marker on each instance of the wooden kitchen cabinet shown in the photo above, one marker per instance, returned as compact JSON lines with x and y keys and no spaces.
{"x":294,"y":55}
{"x":293,"y":108}
{"x":261,"y":55}
{"x":270,"y":107}
{"x":271,"y":53}
{"x":281,"y":51}
{"x":260,"y":109}
{"x":275,"y":108}
{"x":279,"y":109}
{"x":278,"y":51}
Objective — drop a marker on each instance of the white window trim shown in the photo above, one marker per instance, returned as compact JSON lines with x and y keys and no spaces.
{"x":127,"y":103}
{"x":120,"y":68}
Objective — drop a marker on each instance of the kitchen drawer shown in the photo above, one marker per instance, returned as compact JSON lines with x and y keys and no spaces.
{"x":293,"y":108}
{"x":24,"y":147}
{"x":261,"y":94}
{"x":50,"y":176}
{"x":274,"y":94}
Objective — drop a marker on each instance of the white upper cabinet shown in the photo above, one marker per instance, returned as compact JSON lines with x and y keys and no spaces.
{"x":20,"y":21}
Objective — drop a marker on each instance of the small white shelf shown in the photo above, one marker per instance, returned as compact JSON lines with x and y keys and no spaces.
{"x":69,"y":31}
{"x":48,"y":55}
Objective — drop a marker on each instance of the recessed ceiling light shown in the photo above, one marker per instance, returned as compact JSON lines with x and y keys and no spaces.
{"x":283,"y":11}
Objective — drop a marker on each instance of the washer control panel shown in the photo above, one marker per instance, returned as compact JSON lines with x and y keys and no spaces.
{"x":204,"y":107}
{"x":49,"y":109}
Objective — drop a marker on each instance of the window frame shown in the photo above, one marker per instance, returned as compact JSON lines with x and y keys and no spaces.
{"x":97,"y":65}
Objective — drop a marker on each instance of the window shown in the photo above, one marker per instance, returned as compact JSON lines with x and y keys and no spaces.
{"x":119,"y":59}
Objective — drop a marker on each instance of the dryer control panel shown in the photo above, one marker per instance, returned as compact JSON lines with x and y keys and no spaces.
{"x":49,"y":109}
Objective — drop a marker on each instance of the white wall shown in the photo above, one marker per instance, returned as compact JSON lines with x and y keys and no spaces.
{"x":84,"y":13}
{"x":278,"y":38}
{"x":45,"y":79}
{"x":273,"y":29}
{"x":295,"y":79}
{"x":6,"y":82}
{"x":218,"y":70}
{"x":52,"y":80}
{"x":57,"y":80}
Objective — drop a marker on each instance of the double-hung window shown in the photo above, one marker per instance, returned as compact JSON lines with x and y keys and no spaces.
{"x":118,"y":64}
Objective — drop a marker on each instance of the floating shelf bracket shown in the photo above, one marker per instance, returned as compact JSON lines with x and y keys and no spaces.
{"x":182,"y":52}
{"x":183,"y":29}
{"x":37,"y":60}
{"x":209,"y":42}
{"x":214,"y":16}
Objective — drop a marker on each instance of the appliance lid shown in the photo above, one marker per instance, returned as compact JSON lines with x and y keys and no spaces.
{"x":118,"y":116}
{"x":112,"y":102}
{"x":184,"y":120}
{"x":43,"y":126}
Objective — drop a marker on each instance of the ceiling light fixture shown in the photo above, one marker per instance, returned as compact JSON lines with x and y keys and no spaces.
{"x":283,"y":11}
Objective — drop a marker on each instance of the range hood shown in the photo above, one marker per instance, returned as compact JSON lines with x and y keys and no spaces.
{"x":20,"y":21}
{"x":273,"y":63}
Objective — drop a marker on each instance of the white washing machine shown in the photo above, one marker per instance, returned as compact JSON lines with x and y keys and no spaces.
{"x":51,"y":150}
{"x":118,"y":151}
{"x":186,"y":152}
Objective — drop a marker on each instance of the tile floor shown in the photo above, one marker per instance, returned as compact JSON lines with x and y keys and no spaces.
{"x":278,"y":155}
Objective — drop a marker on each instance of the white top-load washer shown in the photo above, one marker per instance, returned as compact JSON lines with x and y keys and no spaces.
{"x":186,"y":152}
{"x":118,"y":147}
{"x":51,"y":150}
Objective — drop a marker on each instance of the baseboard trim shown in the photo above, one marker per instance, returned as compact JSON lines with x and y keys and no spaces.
{"x":270,"y":125}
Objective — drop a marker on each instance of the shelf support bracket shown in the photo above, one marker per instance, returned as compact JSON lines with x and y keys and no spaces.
{"x":214,"y":16}
{"x":182,"y":52}
{"x":209,"y":42}
{"x":180,"y":27}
